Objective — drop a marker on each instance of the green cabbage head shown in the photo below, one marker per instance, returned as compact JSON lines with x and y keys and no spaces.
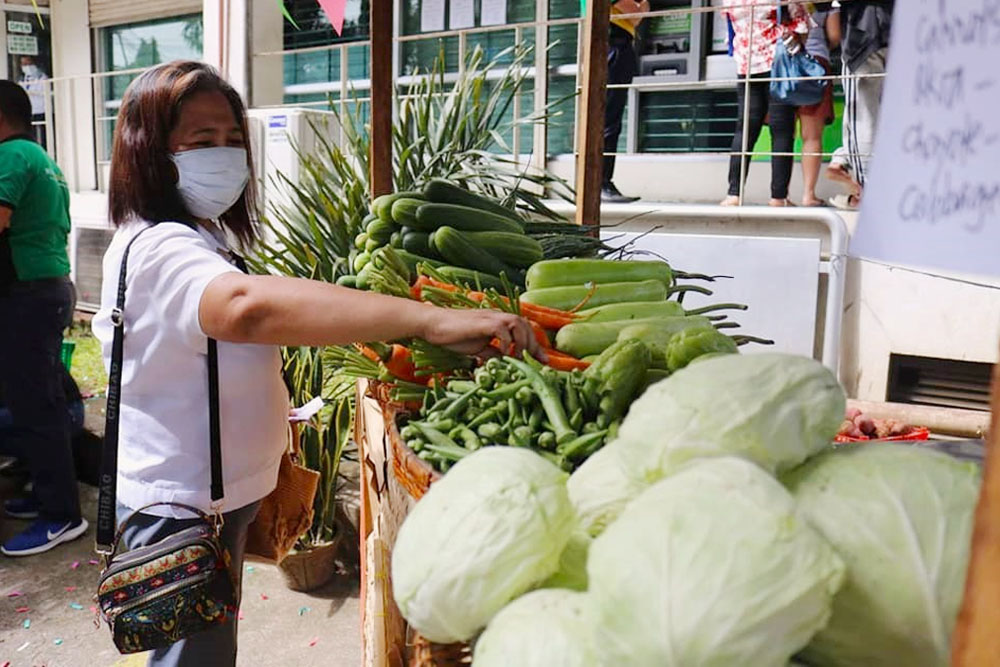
{"x":775,"y":409}
{"x":601,"y":487}
{"x":546,"y":628}
{"x":488,"y":531}
{"x":710,"y":568}
{"x":901,"y":518}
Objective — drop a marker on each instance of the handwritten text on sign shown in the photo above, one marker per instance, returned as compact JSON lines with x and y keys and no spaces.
{"x":933,"y":198}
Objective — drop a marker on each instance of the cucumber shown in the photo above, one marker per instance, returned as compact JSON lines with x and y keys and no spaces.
{"x":362,"y":260}
{"x":463,"y":218}
{"x":441,"y":191}
{"x":382,"y":205}
{"x":396,"y":240}
{"x":380,"y":230}
{"x":412,"y":260}
{"x":360,"y":240}
{"x":633,"y":310}
{"x":347,"y":281}
{"x":585,"y":338}
{"x":418,"y":243}
{"x":459,"y":250}
{"x":569,"y":297}
{"x":515,"y":249}
{"x":404,"y":211}
{"x":470,"y":277}
{"x":559,"y":272}
{"x":372,"y":245}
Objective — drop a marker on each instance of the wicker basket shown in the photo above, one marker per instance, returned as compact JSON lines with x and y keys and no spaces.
{"x":413,"y":473}
{"x":416,"y":476}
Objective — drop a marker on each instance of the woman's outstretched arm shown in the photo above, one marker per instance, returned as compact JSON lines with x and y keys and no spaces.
{"x":294,"y":311}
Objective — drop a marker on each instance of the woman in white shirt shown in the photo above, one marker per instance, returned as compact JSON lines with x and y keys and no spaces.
{"x":181,"y":155}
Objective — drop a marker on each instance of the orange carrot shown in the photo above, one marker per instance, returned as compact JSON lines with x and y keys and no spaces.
{"x":540,"y":335}
{"x":370,"y":353}
{"x":400,"y":364}
{"x":550,"y":318}
{"x":418,"y":285}
{"x":564,"y":362}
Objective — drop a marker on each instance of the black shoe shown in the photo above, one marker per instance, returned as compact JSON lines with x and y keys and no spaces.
{"x":611,"y":195}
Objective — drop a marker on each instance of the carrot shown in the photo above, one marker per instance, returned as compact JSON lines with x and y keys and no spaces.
{"x":400,"y":364}
{"x":550,"y":318}
{"x":540,"y":335}
{"x":418,"y":285}
{"x":564,"y":362}
{"x":370,"y":353}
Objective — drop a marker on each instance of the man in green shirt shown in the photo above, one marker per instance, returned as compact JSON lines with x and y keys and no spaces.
{"x":36,"y":305}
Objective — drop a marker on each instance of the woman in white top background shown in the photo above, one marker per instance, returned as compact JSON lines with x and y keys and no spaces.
{"x":181,"y":154}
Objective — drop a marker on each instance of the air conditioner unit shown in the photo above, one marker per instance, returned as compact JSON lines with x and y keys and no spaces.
{"x":284,"y":134}
{"x":89,"y":238}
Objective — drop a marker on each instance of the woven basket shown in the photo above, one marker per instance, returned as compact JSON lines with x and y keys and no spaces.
{"x":416,"y":476}
{"x":308,"y":570}
{"x":413,"y":473}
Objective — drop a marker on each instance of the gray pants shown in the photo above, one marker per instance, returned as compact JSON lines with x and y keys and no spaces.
{"x":216,"y":647}
{"x":862,"y":101}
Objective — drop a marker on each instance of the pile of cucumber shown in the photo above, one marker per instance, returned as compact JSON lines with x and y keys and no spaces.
{"x":628,"y":300}
{"x":463,"y":235}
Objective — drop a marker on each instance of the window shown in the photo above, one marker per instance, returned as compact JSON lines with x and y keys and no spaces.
{"x":315,"y":77}
{"x":135,"y":45}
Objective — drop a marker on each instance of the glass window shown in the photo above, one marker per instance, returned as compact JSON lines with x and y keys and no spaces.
{"x":311,"y":76}
{"x":136,"y":45}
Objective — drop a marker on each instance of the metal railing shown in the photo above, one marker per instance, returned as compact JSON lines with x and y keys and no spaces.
{"x":543,"y":74}
{"x":64,"y":94}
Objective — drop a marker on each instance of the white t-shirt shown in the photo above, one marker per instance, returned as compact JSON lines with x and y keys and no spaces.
{"x":164,"y":438}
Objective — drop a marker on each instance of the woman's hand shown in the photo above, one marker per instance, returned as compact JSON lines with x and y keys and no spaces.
{"x":472,"y":331}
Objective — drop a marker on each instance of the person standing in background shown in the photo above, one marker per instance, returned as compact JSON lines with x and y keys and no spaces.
{"x":622,"y":67}
{"x":865,"y":25}
{"x":756,"y":30}
{"x":824,"y":34}
{"x":33,"y":80}
{"x":36,"y":306}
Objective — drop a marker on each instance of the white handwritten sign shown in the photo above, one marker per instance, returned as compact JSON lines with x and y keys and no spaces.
{"x":933,"y":198}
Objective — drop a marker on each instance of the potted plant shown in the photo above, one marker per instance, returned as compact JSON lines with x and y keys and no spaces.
{"x":323,"y":439}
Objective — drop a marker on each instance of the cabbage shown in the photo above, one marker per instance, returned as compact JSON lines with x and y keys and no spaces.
{"x":901,"y":518}
{"x":546,"y":628}
{"x":488,"y":531}
{"x":601,"y":487}
{"x":572,"y":572}
{"x":710,"y":568}
{"x":775,"y":409}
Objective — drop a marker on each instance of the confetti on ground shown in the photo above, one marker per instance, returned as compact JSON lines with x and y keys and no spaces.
{"x":239,"y":616}
{"x":71,"y":589}
{"x":94,"y":562}
{"x":6,"y":664}
{"x":57,"y":642}
{"x":314,"y":641}
{"x":304,"y":610}
{"x":76,"y":606}
{"x":27,"y":623}
{"x":264,"y":597}
{"x":250,"y":569}
{"x":15,"y":594}
{"x":22,"y":610}
{"x":75,"y":565}
{"x":24,"y":646}
{"x":93,"y":609}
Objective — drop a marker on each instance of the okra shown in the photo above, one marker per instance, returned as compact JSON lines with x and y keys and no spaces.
{"x":490,"y":431}
{"x":435,"y":421}
{"x":434,"y":436}
{"x":520,"y":437}
{"x":466,"y":436}
{"x":583,"y":446}
{"x":547,"y":440}
{"x":524,"y":395}
{"x":549,"y":397}
{"x":486,"y":416}
{"x":460,"y":403}
{"x":461,"y":386}
{"x":506,"y":391}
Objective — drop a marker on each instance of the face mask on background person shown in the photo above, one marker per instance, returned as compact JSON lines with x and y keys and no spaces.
{"x":31,"y":70}
{"x":210,"y":180}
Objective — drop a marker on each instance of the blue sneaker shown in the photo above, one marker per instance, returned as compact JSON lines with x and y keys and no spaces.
{"x":43,"y":535}
{"x":21,"y":508}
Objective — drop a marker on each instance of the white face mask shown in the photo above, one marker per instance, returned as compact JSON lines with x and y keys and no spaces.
{"x":210,"y":180}
{"x":30,"y":70}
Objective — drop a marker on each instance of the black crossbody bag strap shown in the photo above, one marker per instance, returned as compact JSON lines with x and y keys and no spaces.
{"x":108,"y":481}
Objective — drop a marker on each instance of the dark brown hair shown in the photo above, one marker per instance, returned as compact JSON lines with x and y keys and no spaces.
{"x":15,"y":106}
{"x":143,"y":181}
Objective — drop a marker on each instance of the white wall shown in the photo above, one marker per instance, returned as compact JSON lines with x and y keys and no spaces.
{"x":74,"y":98}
